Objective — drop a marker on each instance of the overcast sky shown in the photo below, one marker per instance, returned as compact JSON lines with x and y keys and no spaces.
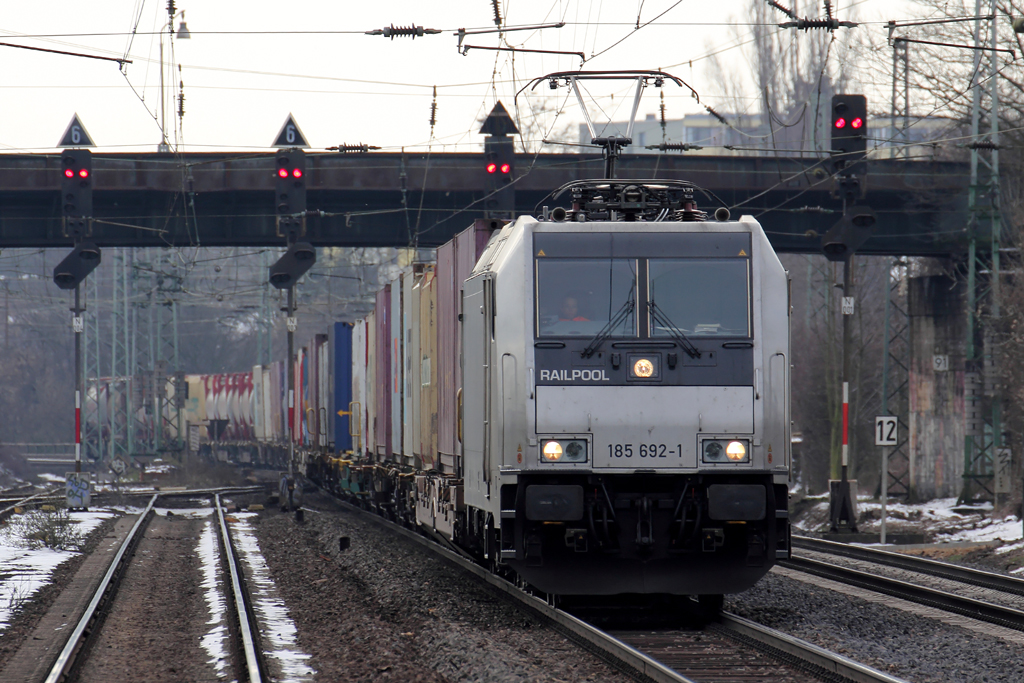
{"x":248,"y":65}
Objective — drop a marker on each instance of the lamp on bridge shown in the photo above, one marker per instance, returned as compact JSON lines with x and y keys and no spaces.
{"x":182,"y":34}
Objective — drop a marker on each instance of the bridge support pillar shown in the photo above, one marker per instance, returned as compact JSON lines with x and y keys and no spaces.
{"x":936,"y":383}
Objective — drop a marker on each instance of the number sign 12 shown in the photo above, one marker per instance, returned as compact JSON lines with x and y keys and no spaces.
{"x":886,"y":428}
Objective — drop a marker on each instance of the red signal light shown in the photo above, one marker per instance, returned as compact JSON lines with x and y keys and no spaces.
{"x":84,"y":173}
{"x":297,"y":172}
{"x":282,"y":172}
{"x":492,"y":167}
{"x":840,"y":123}
{"x":857,"y":122}
{"x":505,"y":168}
{"x":69,"y":173}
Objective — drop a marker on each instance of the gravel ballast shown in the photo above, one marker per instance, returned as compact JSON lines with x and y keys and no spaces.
{"x":905,"y":645}
{"x":388,"y":610}
{"x":155,"y":625}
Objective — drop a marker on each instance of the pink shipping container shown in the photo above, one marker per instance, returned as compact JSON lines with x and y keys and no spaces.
{"x":297,"y":400}
{"x":455,"y":262}
{"x":370,"y":406}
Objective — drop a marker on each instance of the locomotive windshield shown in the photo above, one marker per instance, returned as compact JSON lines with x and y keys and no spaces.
{"x":577,"y":297}
{"x":702,"y":297}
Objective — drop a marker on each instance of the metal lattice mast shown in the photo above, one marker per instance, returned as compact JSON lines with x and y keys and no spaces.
{"x":896,"y":379}
{"x":140,"y":294}
{"x":900,"y":118}
{"x":93,"y":414}
{"x":122,"y":431}
{"x":167,"y":417}
{"x":265,"y":319}
{"x":983,"y":428}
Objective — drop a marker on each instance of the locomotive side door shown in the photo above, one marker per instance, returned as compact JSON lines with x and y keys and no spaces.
{"x":477,"y":322}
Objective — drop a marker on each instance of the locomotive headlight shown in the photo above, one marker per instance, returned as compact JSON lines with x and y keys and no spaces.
{"x":713,"y":451}
{"x":643,"y":368}
{"x":725,"y":451}
{"x":552,"y":451}
{"x":576,"y":451}
{"x":567,"y":450}
{"x":736,"y":451}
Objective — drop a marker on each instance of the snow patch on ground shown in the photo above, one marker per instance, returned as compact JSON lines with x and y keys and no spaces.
{"x":277,"y":627}
{"x":23,"y":571}
{"x":940,"y":520}
{"x":215,"y":642}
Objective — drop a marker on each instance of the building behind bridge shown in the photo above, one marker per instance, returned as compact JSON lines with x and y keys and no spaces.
{"x":747,"y":135}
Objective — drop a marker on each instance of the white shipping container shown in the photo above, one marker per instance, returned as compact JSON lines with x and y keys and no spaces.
{"x":258,"y":411}
{"x":359,"y":405}
{"x":395,"y":349}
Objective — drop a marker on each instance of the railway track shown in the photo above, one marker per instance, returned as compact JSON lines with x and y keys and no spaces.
{"x":743,"y":649}
{"x":77,"y":650}
{"x":8,"y":506}
{"x":994,"y":598}
{"x":55,"y":496}
{"x":920,"y":565}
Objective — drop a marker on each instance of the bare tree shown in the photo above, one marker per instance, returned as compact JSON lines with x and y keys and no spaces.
{"x":794,"y":74}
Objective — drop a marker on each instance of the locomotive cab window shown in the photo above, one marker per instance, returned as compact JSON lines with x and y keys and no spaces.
{"x":579,"y":297}
{"x":701,"y":297}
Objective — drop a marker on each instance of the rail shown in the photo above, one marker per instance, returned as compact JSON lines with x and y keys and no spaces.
{"x":922,"y":565}
{"x":596,"y":640}
{"x":103,"y":595}
{"x":786,"y":644}
{"x":43,"y":495}
{"x":254,"y":664}
{"x":950,"y":602}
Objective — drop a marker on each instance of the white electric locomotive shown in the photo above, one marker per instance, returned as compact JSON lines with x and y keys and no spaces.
{"x":596,"y":400}
{"x":626,"y":395}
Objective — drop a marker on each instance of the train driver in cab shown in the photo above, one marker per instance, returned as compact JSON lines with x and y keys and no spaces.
{"x":570,"y":310}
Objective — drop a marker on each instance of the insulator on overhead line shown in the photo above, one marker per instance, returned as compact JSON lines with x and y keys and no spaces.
{"x":827,"y":24}
{"x":351,"y":149}
{"x":433,"y":111}
{"x":982,"y":144}
{"x":400,"y":31}
{"x":717,"y":115}
{"x":674,"y":147}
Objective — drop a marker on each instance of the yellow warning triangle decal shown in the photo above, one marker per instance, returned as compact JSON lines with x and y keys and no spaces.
{"x":541,"y":253}
{"x":742,"y":252}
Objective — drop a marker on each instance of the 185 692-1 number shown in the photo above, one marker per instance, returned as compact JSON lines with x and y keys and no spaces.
{"x":644,"y":450}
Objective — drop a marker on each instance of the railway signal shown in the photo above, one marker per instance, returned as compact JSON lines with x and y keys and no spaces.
{"x":76,"y":266}
{"x":69,"y":274}
{"x":290,"y":182}
{"x":76,"y":190}
{"x":292,"y":265}
{"x":846,"y":236}
{"x":849,"y":129}
{"x":499,"y":163}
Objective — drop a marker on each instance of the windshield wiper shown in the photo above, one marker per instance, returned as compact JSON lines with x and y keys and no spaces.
{"x":660,"y":319}
{"x":625,"y":310}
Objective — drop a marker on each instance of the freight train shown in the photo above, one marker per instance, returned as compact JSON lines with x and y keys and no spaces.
{"x":596,"y":400}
